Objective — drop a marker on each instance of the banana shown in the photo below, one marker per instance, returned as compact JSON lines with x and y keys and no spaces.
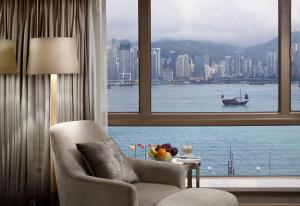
{"x":151,"y":155}
{"x":153,"y":151}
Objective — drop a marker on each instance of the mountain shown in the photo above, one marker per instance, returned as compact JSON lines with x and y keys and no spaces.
{"x":218,"y":51}
{"x":214,"y":50}
{"x":257,"y":52}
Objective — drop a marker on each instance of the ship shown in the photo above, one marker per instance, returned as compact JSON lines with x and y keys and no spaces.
{"x":236,"y":100}
{"x":257,"y":83}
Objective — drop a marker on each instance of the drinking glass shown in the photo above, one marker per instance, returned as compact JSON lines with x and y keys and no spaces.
{"x":187,"y":149}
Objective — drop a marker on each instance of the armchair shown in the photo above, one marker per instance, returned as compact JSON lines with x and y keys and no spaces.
{"x":76,"y":188}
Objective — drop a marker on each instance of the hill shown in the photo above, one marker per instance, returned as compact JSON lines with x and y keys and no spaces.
{"x":218,"y":51}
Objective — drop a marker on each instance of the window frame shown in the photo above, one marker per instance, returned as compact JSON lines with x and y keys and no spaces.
{"x":145,"y":117}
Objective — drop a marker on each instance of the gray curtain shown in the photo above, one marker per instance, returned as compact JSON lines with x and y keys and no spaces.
{"x":24,"y":100}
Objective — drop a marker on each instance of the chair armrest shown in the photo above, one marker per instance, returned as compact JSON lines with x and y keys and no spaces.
{"x":93,"y":191}
{"x":159,"y":172}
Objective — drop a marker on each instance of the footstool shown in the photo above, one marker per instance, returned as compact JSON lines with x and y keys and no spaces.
{"x":199,"y":197}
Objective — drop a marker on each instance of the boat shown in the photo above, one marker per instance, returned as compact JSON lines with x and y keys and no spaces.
{"x":257,"y":83}
{"x":236,"y":100}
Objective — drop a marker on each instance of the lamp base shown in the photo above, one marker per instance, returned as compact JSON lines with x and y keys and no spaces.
{"x":53,"y":121}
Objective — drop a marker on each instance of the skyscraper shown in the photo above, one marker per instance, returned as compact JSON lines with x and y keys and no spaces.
{"x":272,"y":63}
{"x":134,"y":62}
{"x":247,"y":68}
{"x":228,"y":66}
{"x":125,"y":60}
{"x":206,"y":60}
{"x":183,"y":67}
{"x":112,"y":60}
{"x":155,"y":64}
{"x":237,"y":63}
{"x":199,"y":70}
{"x":172,"y":61}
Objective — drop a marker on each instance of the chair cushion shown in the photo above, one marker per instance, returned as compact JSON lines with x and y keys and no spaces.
{"x":200,"y":197}
{"x":149,"y":194}
{"x":106,"y":160}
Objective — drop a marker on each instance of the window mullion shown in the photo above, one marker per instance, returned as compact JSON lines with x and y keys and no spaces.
{"x":284,"y":56}
{"x":145,"y":56}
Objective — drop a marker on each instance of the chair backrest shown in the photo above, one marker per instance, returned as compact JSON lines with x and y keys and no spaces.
{"x":64,"y":137}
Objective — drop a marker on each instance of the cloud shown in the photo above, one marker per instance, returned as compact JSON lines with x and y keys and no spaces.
{"x":238,"y":22}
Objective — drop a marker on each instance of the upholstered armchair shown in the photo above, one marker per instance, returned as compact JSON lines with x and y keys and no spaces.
{"x":76,"y":188}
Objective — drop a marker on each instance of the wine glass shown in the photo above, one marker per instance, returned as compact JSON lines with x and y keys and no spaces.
{"x":187,"y":149}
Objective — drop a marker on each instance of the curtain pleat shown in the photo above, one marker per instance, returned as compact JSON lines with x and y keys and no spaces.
{"x":24,"y":100}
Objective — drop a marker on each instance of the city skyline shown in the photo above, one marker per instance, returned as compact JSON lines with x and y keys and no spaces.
{"x":123,"y":64}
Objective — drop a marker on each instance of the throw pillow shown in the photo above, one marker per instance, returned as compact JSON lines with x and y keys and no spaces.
{"x":106,"y":160}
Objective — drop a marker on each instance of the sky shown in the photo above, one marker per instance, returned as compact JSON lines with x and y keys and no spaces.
{"x":238,"y":22}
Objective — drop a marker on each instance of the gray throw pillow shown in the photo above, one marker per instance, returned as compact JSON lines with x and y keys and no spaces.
{"x":106,"y":160}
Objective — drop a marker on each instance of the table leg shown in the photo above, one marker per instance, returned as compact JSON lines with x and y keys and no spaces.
{"x":190,"y":176}
{"x":197,"y":177}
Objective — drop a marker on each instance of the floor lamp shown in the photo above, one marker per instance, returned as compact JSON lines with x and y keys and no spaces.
{"x":8,"y":63}
{"x":52,"y":56}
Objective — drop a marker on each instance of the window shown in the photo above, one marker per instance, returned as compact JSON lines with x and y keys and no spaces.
{"x":202,"y":50}
{"x":122,"y":56}
{"x":274,"y":107}
{"x":256,"y":150}
{"x":169,"y":105}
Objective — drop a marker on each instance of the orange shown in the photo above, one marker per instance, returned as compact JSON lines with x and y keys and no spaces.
{"x":161,"y":153}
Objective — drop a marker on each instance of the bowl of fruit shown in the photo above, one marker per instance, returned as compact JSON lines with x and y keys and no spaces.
{"x":164,"y":152}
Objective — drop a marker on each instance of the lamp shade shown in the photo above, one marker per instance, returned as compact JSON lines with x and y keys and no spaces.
{"x":52,"y":56}
{"x":8,"y":63}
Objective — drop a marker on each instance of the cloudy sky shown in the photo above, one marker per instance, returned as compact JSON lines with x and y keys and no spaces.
{"x":238,"y":22}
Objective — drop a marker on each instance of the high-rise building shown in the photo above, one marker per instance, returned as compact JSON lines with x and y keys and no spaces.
{"x":206,"y":60}
{"x":172,"y":61}
{"x":155,"y":64}
{"x":228,"y":66}
{"x":167,"y":75}
{"x":183,"y":67}
{"x":163,"y":64}
{"x":115,"y":48}
{"x":296,"y":65}
{"x":199,"y":70}
{"x":247,"y":68}
{"x":260,"y":72}
{"x":112,"y":60}
{"x":125,"y":60}
{"x":272,"y":63}
{"x":237,"y":63}
{"x":112,"y":72}
{"x":134,"y":62}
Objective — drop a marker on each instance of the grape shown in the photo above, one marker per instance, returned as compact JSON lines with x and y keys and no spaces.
{"x":158,"y":147}
{"x":167,"y":146}
{"x":174,"y":151}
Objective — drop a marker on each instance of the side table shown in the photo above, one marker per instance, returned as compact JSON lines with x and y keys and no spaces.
{"x":189,"y":167}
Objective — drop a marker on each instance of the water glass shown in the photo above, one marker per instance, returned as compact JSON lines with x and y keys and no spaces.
{"x":187,"y":149}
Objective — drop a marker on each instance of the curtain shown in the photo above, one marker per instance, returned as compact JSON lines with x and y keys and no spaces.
{"x":24,"y":100}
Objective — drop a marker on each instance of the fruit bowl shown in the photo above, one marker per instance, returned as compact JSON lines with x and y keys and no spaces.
{"x":164,"y":152}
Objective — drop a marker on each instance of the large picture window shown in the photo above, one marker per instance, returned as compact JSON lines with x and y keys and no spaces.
{"x":254,"y":151}
{"x":194,"y":63}
{"x":203,"y":64}
{"x":207,"y":57}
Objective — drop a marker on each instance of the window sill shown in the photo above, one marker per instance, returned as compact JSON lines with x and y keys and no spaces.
{"x":251,"y":184}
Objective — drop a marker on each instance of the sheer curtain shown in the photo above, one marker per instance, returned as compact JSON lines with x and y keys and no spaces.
{"x":24,"y":100}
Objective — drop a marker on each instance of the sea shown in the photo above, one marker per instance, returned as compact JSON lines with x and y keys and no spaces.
{"x":256,"y":150}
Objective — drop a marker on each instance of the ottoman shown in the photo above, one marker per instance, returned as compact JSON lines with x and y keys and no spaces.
{"x":199,"y":197}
